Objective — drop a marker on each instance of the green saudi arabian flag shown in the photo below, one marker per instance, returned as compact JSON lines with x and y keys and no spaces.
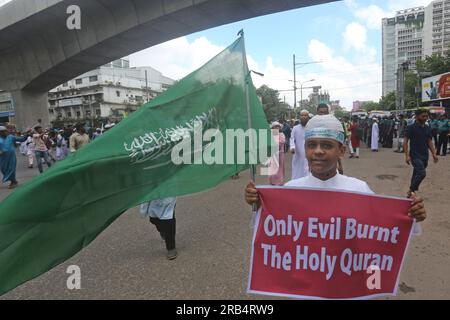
{"x":55,"y":215}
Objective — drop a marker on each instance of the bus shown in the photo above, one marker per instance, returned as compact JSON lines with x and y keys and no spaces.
{"x":379,"y":113}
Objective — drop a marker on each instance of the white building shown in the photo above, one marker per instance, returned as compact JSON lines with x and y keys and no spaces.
{"x":113,"y":90}
{"x":437,"y":27}
{"x":402,"y":42}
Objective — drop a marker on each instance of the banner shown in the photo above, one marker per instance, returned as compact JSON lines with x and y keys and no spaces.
{"x":320,"y":244}
{"x":436,"y":88}
{"x":55,"y":215}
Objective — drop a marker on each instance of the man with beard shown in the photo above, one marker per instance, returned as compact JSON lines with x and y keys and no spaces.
{"x":297,"y":144}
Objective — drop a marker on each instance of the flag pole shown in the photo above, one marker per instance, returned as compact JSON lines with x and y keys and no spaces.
{"x":249,"y":118}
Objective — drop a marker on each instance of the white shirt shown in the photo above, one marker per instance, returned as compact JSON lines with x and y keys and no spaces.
{"x":300,"y":166}
{"x":338,"y":182}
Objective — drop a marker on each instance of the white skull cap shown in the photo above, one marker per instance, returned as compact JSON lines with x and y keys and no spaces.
{"x":325,"y":126}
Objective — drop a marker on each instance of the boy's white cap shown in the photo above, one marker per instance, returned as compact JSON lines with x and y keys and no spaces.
{"x":325,"y":126}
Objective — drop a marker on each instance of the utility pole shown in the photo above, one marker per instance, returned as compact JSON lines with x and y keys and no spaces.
{"x":146,"y":84}
{"x":401,"y":71}
{"x":295,"y":64}
{"x":295,"y":85}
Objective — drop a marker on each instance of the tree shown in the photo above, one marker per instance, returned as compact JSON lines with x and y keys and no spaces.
{"x":273,"y":107}
{"x":412,"y":80}
{"x":370,"y":105}
{"x":388,"y":102}
{"x":308,"y":105}
{"x":436,"y":63}
{"x":339,"y":112}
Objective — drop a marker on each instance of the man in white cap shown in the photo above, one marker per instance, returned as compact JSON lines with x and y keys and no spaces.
{"x":375,"y":135}
{"x":324,"y":147}
{"x":297,"y":144}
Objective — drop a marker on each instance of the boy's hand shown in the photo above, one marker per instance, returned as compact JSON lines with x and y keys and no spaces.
{"x":408,"y":160}
{"x":251,"y":194}
{"x":417,"y":210}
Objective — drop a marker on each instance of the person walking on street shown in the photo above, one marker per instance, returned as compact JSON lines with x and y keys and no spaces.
{"x":79,"y":139}
{"x":40,"y":148}
{"x":8,"y":159}
{"x":287,"y":134}
{"x":161,"y":213}
{"x":276,"y":168}
{"x":355,"y":138}
{"x":375,"y":136}
{"x":30,"y":150}
{"x":420,"y":138}
{"x":434,"y":125}
{"x":443,"y":130}
{"x":299,"y":163}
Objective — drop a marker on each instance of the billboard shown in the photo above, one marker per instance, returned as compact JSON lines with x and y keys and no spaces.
{"x":436,"y":88}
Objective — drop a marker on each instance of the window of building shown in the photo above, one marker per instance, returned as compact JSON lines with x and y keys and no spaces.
{"x":79,"y":81}
{"x":65,"y":84}
{"x":69,"y":114}
{"x":117,"y":63}
{"x":118,"y":94}
{"x":93,"y":79}
{"x":78,"y":114}
{"x":98,"y":112}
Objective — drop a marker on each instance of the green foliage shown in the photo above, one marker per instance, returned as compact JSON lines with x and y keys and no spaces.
{"x":387,"y":102}
{"x":310,"y":106}
{"x":436,"y":64}
{"x":370,"y":105}
{"x":412,"y":80}
{"x":274,"y":108}
{"x":339,"y":112}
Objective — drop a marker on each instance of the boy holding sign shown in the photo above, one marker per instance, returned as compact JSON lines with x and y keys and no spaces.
{"x":324,"y":146}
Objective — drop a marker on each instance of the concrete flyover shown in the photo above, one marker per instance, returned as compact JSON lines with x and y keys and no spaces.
{"x":38,"y":51}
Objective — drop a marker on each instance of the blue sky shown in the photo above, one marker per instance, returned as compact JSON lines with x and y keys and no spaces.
{"x":346,"y":35}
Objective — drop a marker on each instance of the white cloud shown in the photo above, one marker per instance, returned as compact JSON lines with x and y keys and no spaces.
{"x":355,"y":37}
{"x":179,"y":57}
{"x":345,"y":80}
{"x":372,"y":15}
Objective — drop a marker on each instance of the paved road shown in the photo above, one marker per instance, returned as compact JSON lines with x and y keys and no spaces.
{"x":128,"y":260}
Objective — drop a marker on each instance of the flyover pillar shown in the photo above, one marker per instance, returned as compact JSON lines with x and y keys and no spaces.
{"x":29,"y":107}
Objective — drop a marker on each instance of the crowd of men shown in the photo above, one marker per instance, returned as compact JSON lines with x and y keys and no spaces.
{"x":417,"y":135}
{"x":42,"y":146}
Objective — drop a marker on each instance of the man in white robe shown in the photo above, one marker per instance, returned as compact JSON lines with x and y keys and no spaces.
{"x":324,"y":146}
{"x":297,"y":144}
{"x":375,"y":135}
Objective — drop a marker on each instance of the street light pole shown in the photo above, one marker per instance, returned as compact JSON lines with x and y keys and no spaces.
{"x":295,"y":86}
{"x":295,"y":64}
{"x":301,"y":92}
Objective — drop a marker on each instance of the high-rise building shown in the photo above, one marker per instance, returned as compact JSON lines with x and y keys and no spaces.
{"x":437,"y":27}
{"x":402,"y":42}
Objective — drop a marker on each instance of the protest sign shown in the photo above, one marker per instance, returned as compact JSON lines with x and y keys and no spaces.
{"x":312,"y":243}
